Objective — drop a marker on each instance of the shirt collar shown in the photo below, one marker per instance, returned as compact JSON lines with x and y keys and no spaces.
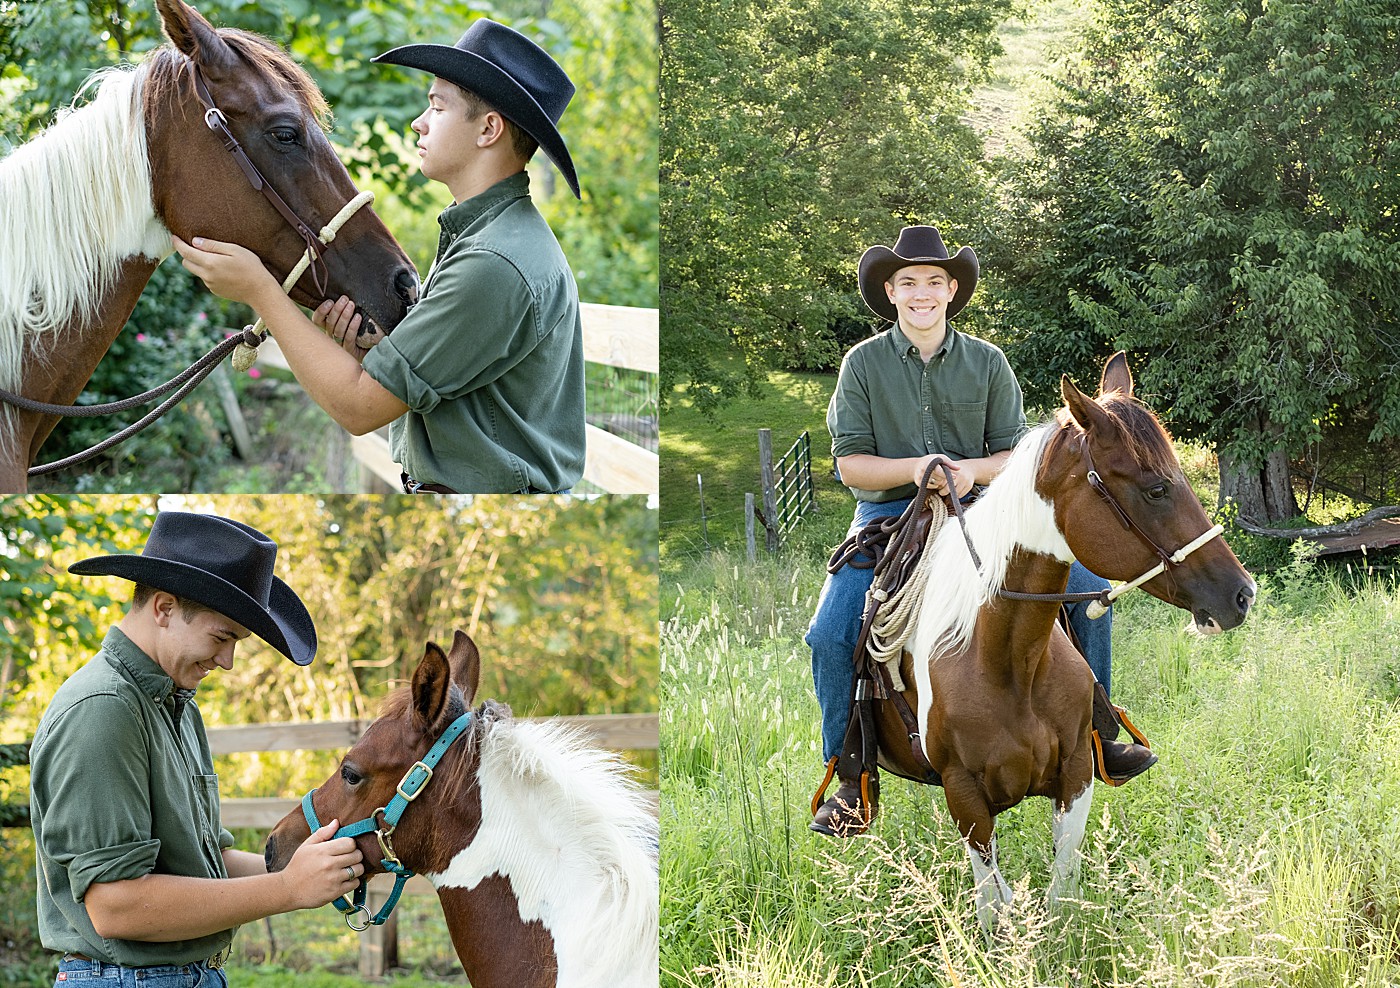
{"x":457,"y":217}
{"x":143,"y":670}
{"x":906,"y":349}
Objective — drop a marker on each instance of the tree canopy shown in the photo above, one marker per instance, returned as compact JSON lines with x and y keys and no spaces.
{"x":797,"y":133}
{"x":1213,"y":186}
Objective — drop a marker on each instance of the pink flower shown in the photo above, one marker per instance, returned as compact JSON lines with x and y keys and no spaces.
{"x":254,"y":372}
{"x":140,"y":337}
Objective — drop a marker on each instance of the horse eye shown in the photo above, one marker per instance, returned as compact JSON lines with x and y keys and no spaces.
{"x":350,"y":776}
{"x":1156,"y":492}
{"x":285,"y":135}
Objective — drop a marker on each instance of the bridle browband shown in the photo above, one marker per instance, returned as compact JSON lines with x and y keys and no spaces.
{"x":215,"y":120}
{"x":408,"y":789}
{"x":1101,"y":601}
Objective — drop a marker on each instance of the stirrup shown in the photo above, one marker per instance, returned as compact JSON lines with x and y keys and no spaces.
{"x":820,"y":796}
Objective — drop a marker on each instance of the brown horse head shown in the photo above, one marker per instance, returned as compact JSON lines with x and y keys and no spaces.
{"x":1116,"y":437}
{"x":442,"y":689}
{"x":278,"y":115}
{"x":540,"y":847}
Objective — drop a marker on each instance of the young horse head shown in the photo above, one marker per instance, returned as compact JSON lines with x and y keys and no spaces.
{"x":541,"y":848}
{"x":87,"y":209}
{"x":1004,"y":699}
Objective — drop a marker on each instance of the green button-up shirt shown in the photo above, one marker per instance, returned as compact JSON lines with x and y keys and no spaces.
{"x":964,"y":402}
{"x":490,"y":359}
{"x":122,"y":785}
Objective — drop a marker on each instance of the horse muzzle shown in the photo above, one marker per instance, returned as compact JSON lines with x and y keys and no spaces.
{"x":1212,"y":620}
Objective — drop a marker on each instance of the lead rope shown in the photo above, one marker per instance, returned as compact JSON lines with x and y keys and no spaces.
{"x":246,"y":353}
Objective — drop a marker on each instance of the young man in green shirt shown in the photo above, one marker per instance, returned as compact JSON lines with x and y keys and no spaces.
{"x":918,"y":390}
{"x":483,"y":379}
{"x":138,"y":880}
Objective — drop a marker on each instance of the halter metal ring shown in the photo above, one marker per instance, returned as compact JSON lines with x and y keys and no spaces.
{"x":369,"y":920}
{"x":214,"y":118}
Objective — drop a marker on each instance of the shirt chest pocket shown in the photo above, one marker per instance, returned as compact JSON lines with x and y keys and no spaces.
{"x":964,"y":427}
{"x":206,"y":799}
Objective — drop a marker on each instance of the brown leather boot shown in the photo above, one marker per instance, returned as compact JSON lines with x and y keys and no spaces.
{"x":1114,"y":762}
{"x":844,"y":815}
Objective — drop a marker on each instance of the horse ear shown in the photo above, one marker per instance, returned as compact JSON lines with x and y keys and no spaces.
{"x":1083,"y":409}
{"x":1117,"y":376}
{"x":465,"y":661}
{"x":193,"y":35}
{"x":431,"y":681}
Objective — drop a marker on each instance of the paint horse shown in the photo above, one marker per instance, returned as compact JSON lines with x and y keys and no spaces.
{"x":1002,"y":698}
{"x":87,"y":209}
{"x":541,"y":848}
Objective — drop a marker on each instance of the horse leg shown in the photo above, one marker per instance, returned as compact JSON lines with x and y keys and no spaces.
{"x":1067,"y":828}
{"x":974,"y":820}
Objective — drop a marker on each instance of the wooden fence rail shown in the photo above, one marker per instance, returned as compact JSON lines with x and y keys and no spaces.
{"x":614,"y":335}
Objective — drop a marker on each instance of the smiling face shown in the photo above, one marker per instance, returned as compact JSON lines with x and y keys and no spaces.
{"x":191,"y":643}
{"x":920,"y":294}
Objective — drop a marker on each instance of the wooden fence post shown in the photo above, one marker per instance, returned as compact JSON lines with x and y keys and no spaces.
{"x":770,"y":494}
{"x":748,"y":526}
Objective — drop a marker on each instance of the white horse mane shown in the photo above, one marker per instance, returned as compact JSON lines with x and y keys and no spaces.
{"x":566,"y":823}
{"x":74,"y":203}
{"x":1008,"y":515}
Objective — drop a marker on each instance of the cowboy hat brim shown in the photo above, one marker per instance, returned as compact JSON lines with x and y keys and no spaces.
{"x":470,"y":71}
{"x":879,"y":263}
{"x":285,"y":624}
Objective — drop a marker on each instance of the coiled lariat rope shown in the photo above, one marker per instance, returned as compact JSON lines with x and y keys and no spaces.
{"x":894,"y":618}
{"x":243,"y":346}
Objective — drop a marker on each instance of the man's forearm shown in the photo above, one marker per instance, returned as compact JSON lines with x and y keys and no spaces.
{"x":878,"y":473}
{"x":334,"y":379}
{"x":162,"y":908}
{"x":240,"y":864}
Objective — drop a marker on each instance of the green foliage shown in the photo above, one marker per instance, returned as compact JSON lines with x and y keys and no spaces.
{"x":1211,"y":186}
{"x":799,"y":132}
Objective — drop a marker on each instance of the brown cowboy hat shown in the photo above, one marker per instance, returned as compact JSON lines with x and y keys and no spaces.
{"x":916,"y":245}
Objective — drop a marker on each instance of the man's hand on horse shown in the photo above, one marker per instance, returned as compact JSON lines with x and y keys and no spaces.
{"x":229,"y":271}
{"x":342,"y":324}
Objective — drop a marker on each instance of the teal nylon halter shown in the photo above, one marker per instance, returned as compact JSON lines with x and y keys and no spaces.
{"x":409,"y":788}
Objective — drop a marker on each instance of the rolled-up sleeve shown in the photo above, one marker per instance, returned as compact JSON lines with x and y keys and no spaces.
{"x":476,"y":322}
{"x":90,"y":789}
{"x":848,"y":416}
{"x":1006,"y":413}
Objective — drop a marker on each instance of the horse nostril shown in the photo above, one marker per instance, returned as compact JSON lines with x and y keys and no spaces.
{"x":1243,"y":599}
{"x":406,"y":284}
{"x":269,"y":854}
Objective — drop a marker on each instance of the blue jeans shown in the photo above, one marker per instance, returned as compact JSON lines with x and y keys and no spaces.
{"x":74,"y":973}
{"x":836,"y":626}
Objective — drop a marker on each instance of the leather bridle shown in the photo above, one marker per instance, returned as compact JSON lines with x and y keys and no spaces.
{"x":215,"y":120}
{"x":1099,"y":602}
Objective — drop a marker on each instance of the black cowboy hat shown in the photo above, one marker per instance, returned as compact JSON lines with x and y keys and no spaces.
{"x":509,"y":71}
{"x":916,"y":245}
{"x":224,"y":565}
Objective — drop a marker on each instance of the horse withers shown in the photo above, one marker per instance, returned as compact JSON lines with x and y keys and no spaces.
{"x":88,"y":207}
{"x":1003,"y":699}
{"x":540,"y":847}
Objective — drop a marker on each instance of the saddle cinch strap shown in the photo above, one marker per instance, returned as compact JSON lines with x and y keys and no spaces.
{"x":408,"y":789}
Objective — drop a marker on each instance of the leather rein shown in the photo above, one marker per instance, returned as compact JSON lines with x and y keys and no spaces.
{"x":1102,"y":600}
{"x":186,"y":381}
{"x":382,"y":823}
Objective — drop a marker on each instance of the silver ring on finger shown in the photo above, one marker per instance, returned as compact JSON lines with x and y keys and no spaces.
{"x":350,"y":872}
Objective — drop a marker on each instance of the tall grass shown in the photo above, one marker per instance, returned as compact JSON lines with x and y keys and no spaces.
{"x":1264,"y":849}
